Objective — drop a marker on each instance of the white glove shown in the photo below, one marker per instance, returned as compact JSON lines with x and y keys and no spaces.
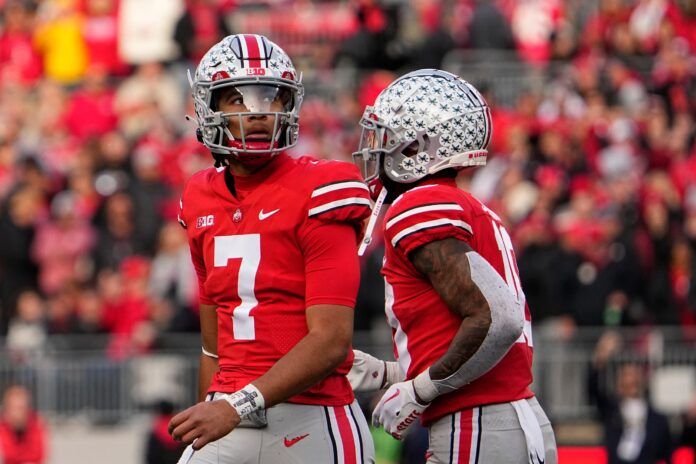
{"x":369,"y":373}
{"x":399,"y":407}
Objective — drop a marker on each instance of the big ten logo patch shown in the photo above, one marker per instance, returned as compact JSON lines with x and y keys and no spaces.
{"x":255,"y":71}
{"x":205,"y":221}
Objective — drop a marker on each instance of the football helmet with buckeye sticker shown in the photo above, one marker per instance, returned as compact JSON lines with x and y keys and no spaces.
{"x":259,"y":72}
{"x":424,"y":122}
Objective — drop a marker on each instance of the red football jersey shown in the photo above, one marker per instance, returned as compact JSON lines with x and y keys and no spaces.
{"x":257,"y":258}
{"x":422,"y":325}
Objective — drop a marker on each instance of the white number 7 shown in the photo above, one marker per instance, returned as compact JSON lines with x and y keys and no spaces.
{"x":248,"y":248}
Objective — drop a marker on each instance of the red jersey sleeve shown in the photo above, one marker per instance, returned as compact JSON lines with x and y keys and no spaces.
{"x":188,"y":196}
{"x":332,"y":271}
{"x":338,"y":203}
{"x":338,"y":194}
{"x":426,"y":214}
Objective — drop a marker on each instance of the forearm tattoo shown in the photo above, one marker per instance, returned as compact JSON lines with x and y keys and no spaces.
{"x":446,"y":266}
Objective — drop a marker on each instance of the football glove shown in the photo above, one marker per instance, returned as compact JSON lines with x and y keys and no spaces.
{"x":369,"y":373}
{"x":398,"y":409}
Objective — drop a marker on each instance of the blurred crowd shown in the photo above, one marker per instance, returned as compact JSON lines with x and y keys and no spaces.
{"x":594,"y":170}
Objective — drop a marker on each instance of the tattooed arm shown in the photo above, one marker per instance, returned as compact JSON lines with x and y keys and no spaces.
{"x":492,"y":317}
{"x":492,"y":320}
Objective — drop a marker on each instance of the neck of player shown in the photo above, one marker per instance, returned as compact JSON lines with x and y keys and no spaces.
{"x":240,"y":169}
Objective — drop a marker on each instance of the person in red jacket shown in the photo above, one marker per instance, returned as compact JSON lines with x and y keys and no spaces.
{"x":22,"y":431}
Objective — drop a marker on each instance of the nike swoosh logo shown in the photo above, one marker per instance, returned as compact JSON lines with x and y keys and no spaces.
{"x":263,"y":215}
{"x":396,"y":393}
{"x":293,"y":441}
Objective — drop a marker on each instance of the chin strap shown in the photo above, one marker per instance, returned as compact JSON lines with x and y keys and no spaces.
{"x":367,"y":237}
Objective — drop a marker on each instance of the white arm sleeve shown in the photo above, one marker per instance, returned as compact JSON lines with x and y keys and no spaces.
{"x":507,"y":322}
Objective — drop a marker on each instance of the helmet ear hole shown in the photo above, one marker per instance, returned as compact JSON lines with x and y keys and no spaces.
{"x":425,"y":143}
{"x":411,"y":149}
{"x":417,"y":146}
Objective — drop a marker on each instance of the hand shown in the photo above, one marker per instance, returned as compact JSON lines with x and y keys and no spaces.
{"x":398,"y":409}
{"x":369,"y":373}
{"x":204,"y":423}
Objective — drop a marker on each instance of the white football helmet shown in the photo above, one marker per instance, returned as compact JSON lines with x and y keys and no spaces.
{"x":261,"y":72}
{"x":424,"y":122}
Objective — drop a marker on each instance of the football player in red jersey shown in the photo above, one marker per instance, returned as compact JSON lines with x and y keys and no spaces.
{"x":461,"y":327}
{"x":273,"y":241}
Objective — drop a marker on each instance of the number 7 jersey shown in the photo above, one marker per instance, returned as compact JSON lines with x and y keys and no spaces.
{"x":258,"y":255}
{"x":422,"y":325}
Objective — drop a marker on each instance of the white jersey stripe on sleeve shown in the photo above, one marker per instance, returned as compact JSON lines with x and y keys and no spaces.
{"x":424,"y":209}
{"x":429,"y":225}
{"x":339,"y":186}
{"x":337,"y":204}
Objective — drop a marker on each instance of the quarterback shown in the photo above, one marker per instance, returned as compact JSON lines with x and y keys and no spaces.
{"x":268,"y":235}
{"x":461,"y":326}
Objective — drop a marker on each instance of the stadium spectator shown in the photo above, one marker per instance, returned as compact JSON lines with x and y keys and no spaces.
{"x":23,"y":435}
{"x":100,"y":32}
{"x":17,"y":229}
{"x":126,"y":313}
{"x":199,"y":28}
{"x":149,"y":194}
{"x":88,"y":313}
{"x":19,"y":60}
{"x":90,"y":109}
{"x":172,"y":276}
{"x":142,"y":40}
{"x":62,"y":245}
{"x":27,"y":332}
{"x":633,"y":431}
{"x":160,"y":447}
{"x":146,"y":95}
{"x":116,"y":239}
{"x":59,"y":40}
{"x":489,"y":29}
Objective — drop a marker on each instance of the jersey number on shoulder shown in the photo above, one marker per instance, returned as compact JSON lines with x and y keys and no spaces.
{"x":248,"y":248}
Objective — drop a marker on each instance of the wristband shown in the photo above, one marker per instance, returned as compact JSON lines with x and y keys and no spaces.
{"x":424,"y":386}
{"x":245,"y":401}
{"x":392,"y":374}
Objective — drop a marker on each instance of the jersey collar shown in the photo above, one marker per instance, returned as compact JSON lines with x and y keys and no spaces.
{"x":245,"y":185}
{"x":447,"y":181}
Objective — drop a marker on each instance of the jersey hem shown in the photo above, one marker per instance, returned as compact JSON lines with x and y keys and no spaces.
{"x":427,"y":420}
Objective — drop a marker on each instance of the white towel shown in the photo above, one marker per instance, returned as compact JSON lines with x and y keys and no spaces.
{"x":532,"y":431}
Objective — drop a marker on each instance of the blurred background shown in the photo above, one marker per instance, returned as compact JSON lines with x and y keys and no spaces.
{"x":592,"y":166}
